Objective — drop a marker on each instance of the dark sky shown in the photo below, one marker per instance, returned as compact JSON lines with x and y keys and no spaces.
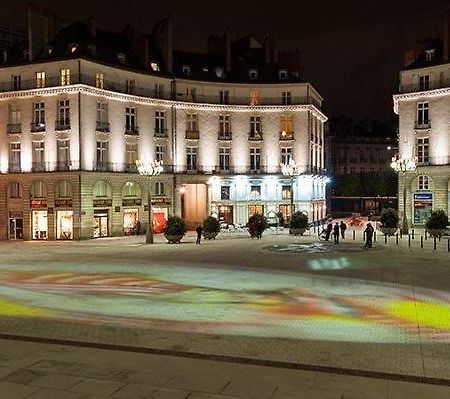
{"x":351,"y":50}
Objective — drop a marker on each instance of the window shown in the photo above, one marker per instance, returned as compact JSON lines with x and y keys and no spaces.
{"x":186,"y":69}
{"x":160,"y":153}
{"x":255,"y":127}
{"x":253,"y":74}
{"x":102,"y":154}
{"x":286,"y":192}
{"x":14,"y":157}
{"x":14,"y":190}
{"x":38,"y":156}
{"x":255,"y":159}
{"x":99,"y":80}
{"x":224,"y":96}
{"x":429,"y":54}
{"x":255,"y":193}
{"x":282,"y":74}
{"x":424,"y":82}
{"x":154,"y":65}
{"x":16,"y":82}
{"x":14,"y":115}
{"x":423,"y":114}
{"x":63,"y":154}
{"x":40,"y":80}
{"x":63,"y":189}
{"x":423,"y":183}
{"x":352,"y":170}
{"x":287,"y":127}
{"x":130,"y":189}
{"x":422,"y":150}
{"x":224,"y":159}
{"x":131,"y":155}
{"x":39,"y":115}
{"x":130,"y":119}
{"x":225,"y":192}
{"x":38,"y":190}
{"x":192,"y":123}
{"x":159,"y":188}
{"x":130,"y":86}
{"x":160,"y":122}
{"x":191,"y":155}
{"x":191,"y":95}
{"x":286,"y":154}
{"x":102,"y":117}
{"x":101,"y":189}
{"x":219,"y":72}
{"x":255,"y":99}
{"x":121,"y":57}
{"x":224,"y":126}
{"x":159,"y":90}
{"x":286,"y":97}
{"x":64,"y":76}
{"x":63,"y":114}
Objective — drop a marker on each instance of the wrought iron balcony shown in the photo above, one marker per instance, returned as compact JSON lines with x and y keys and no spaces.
{"x":192,"y":134}
{"x":102,"y":127}
{"x":286,"y":136}
{"x":62,"y":124}
{"x":131,"y":130}
{"x":422,"y":125}
{"x":160,"y":132}
{"x":14,"y":128}
{"x":253,"y":136}
{"x":37,"y":127}
{"x":225,"y":136}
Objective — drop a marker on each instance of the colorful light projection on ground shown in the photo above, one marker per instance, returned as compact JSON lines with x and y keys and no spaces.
{"x":229,"y":301}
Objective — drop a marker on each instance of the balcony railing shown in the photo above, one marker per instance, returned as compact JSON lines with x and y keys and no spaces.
{"x":38,"y":167}
{"x":37,"y":127}
{"x":62,"y":124}
{"x":286,"y":136}
{"x":417,"y":87}
{"x":255,"y":136}
{"x":225,"y":136}
{"x":422,"y":125}
{"x":131,"y":130}
{"x":62,"y":166}
{"x":90,"y":80}
{"x":160,"y":132}
{"x":14,"y":168}
{"x":14,"y":128}
{"x":192,"y":134}
{"x":102,"y":127}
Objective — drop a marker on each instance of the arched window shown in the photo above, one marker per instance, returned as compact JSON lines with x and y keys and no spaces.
{"x":14,"y":190}
{"x":38,"y":190}
{"x":102,"y":189}
{"x":63,"y":189}
{"x":131,"y":189}
{"x":423,"y":183}
{"x":159,"y":188}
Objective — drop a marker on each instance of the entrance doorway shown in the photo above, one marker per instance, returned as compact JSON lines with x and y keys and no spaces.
{"x":253,"y":209}
{"x":39,"y":225}
{"x":15,"y":231}
{"x":101,"y":222}
{"x":194,"y":205}
{"x":64,"y":225}
{"x":226,"y":214}
{"x":130,"y":219}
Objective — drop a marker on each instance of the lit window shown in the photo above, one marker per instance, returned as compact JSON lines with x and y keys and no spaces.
{"x":282,"y":74}
{"x":99,"y":80}
{"x":40,"y":80}
{"x":186,"y":69}
{"x":219,"y":72}
{"x":429,"y":54}
{"x":154,"y":66}
{"x":64,"y":77}
{"x":253,"y":74}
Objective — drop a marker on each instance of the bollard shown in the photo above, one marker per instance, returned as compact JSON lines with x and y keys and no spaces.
{"x":353,"y":235}
{"x":396,"y":238}
{"x":448,"y":245}
{"x":374,"y":236}
{"x":421,"y":241}
{"x":401,"y":233}
{"x":412,"y":234}
{"x":439,"y":238}
{"x":409,"y":240}
{"x":385,"y":238}
{"x":426,"y":237}
{"x":434,"y":243}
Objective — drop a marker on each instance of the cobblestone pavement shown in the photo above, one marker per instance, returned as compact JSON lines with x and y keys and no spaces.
{"x":378,"y":312}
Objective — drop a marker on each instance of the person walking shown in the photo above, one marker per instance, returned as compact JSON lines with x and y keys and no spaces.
{"x":199,"y":231}
{"x":328,"y":231}
{"x":369,"y":235}
{"x":343,"y":227}
{"x":137,"y":228}
{"x":336,"y":233}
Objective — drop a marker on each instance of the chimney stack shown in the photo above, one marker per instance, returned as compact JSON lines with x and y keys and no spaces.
{"x":446,"y":34}
{"x":92,"y":26}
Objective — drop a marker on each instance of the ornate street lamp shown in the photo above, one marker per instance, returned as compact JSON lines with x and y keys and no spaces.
{"x":151,"y":169}
{"x":402,"y":166}
{"x":292,"y":170}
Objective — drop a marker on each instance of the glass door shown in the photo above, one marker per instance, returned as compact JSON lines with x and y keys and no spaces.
{"x":100,"y":225}
{"x":15,"y":229}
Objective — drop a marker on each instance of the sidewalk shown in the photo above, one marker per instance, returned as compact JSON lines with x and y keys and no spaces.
{"x":48,"y":371}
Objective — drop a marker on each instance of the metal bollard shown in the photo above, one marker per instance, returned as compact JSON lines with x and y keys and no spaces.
{"x":396,"y":238}
{"x":409,"y":240}
{"x":374,"y":236}
{"x":439,"y":238}
{"x":434,"y":243}
{"x":421,"y":241}
{"x":353,"y":235}
{"x":401,"y":233}
{"x":385,"y":238}
{"x":412,"y":234}
{"x":448,"y":245}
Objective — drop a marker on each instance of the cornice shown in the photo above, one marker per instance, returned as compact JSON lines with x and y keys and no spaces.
{"x":419,"y":95}
{"x":93,"y":91}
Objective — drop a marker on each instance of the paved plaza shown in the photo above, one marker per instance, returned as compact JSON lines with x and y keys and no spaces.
{"x":304,"y":316}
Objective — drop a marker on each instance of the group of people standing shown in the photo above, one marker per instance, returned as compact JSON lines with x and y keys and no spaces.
{"x":338,"y":230}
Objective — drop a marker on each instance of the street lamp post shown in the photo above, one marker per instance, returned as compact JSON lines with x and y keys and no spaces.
{"x":291,"y":170}
{"x":151,"y":169}
{"x":401,"y":166}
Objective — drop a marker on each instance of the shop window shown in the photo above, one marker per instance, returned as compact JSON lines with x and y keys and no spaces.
{"x":38,"y":190}
{"x":102,"y":189}
{"x":14,"y":190}
{"x":64,"y":225}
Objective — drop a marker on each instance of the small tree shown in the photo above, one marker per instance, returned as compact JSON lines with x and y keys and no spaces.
{"x":437,"y":221}
{"x":211,"y":225}
{"x":175,"y":226}
{"x":257,"y":223}
{"x":389,"y":218}
{"x":299,"y":220}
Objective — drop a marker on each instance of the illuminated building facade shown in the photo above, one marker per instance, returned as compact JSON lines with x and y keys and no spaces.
{"x":72,"y":129}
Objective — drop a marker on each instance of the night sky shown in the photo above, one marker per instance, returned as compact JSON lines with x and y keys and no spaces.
{"x":351,"y":50}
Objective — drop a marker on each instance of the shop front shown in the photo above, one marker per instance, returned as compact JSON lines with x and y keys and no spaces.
{"x":422,"y":207}
{"x":160,"y":212}
{"x":131,"y":222}
{"x":253,"y":209}
{"x":15,"y":225}
{"x":225,"y":214}
{"x":39,"y":219}
{"x":64,"y":219}
{"x":100,"y":227}
{"x":286,"y":212}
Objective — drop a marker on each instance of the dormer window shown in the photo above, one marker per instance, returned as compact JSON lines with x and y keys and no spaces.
{"x":186,"y":69}
{"x":253,"y":74}
{"x":282,"y":74}
{"x":92,"y":49}
{"x":219,"y":72}
{"x":73,"y":48}
{"x":155,"y":67}
{"x":49,"y":50}
{"x":121,"y":58}
{"x":205,"y":69}
{"x":429,"y":54}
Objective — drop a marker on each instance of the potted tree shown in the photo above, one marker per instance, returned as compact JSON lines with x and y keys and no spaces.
{"x":211,"y":227}
{"x":257,"y":223}
{"x":389,"y":221}
{"x":437,"y":223}
{"x":174,"y":230}
{"x":299,"y":223}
